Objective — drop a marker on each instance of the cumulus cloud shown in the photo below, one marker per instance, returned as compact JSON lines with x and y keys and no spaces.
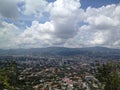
{"x":69,"y":25}
{"x":38,"y":34}
{"x":63,"y":28}
{"x":104,"y":20}
{"x":36,"y":8}
{"x":102,"y":28}
{"x":64,"y":14}
{"x":8,"y":34}
{"x":58,"y":29}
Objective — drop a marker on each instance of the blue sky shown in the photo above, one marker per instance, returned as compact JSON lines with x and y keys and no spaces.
{"x":64,"y":23}
{"x":97,"y":3}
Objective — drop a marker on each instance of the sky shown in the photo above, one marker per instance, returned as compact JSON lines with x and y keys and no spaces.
{"x":59,"y":23}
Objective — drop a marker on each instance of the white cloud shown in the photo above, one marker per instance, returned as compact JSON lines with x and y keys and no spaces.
{"x":63,"y":29}
{"x":69,"y":25}
{"x":102,"y":26}
{"x":64,"y":8}
{"x":104,"y":17}
{"x":8,"y":35}
{"x":38,"y":34}
{"x":64,"y":14}
{"x":35,"y":8}
{"x":98,"y":38}
{"x":58,"y":29}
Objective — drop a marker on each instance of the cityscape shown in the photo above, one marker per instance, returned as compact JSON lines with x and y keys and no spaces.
{"x":59,"y":44}
{"x":68,"y":72}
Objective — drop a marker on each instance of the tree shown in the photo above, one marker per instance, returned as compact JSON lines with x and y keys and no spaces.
{"x":113,"y":82}
{"x":8,"y":76}
{"x":108,"y":76}
{"x":4,"y":80}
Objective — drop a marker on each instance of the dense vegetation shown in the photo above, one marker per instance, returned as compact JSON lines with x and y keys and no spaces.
{"x":109,"y":76}
{"x":9,"y":76}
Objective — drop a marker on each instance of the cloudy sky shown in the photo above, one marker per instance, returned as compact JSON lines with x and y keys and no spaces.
{"x":62,"y":23}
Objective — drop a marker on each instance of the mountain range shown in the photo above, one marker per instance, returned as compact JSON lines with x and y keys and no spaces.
{"x":62,"y":51}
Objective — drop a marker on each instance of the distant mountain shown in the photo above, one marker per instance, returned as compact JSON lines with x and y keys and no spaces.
{"x":62,"y":51}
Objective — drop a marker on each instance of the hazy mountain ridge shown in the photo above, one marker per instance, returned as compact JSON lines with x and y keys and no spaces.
{"x":62,"y":51}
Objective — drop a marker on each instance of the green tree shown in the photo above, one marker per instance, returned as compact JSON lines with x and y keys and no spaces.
{"x":4,"y":80}
{"x":113,"y":82}
{"x":108,"y":76}
{"x":9,"y":76}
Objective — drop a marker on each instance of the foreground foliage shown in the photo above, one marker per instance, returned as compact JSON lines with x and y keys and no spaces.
{"x":109,"y":76}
